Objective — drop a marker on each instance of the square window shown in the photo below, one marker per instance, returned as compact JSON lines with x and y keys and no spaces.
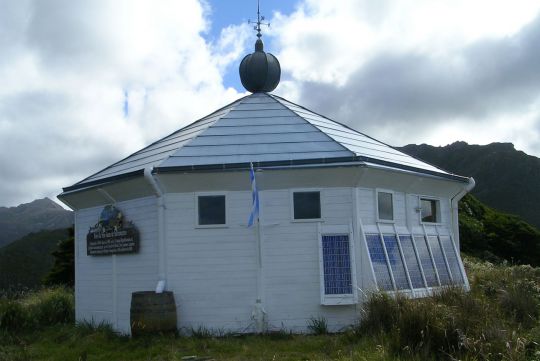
{"x":430,"y":209}
{"x":211,"y":210}
{"x":307,"y":205}
{"x":385,"y":206}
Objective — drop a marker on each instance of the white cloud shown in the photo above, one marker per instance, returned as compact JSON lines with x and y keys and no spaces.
{"x":417,"y":71}
{"x":65,"y":68}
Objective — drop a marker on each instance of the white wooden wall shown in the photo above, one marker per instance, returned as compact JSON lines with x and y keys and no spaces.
{"x":212,"y":271}
{"x":102,"y":280}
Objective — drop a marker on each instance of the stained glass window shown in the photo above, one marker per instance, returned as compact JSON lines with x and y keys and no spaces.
{"x":337,"y":264}
{"x":412,"y":262}
{"x":394,"y":257}
{"x":378,"y":260}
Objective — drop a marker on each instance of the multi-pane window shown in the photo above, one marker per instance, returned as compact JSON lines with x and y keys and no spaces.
{"x":307,"y":205}
{"x":336,"y":264}
{"x":440,"y":263}
{"x":430,"y":210}
{"x":411,"y":260}
{"x":405,"y":262}
{"x":453,"y":262}
{"x":396,"y":262}
{"x":378,"y":260}
{"x":211,"y":210}
{"x":385,"y":206}
{"x":426,"y":261}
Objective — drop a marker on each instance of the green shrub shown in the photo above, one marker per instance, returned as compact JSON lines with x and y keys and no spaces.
{"x":318,"y":326}
{"x":13,"y":316}
{"x":201,"y":332}
{"x":51,"y":307}
{"x":521,"y":302}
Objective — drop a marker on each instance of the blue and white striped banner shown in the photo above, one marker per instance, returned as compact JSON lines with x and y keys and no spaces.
{"x":254,"y":197}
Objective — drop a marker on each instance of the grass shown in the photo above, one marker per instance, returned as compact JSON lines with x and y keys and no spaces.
{"x":497,"y":320}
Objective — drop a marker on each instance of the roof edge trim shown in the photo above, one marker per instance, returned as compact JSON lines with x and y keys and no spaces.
{"x":302,"y":162}
{"x":97,"y":182}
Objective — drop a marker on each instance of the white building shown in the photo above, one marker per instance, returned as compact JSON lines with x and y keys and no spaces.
{"x":341,"y":215}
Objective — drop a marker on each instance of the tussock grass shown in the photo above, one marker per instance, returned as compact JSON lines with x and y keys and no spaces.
{"x":497,"y":320}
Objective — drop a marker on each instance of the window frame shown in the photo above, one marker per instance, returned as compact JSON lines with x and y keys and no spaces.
{"x":337,"y":299}
{"x":392,"y":193}
{"x":202,"y":194}
{"x":291,"y":204}
{"x":438,"y":213}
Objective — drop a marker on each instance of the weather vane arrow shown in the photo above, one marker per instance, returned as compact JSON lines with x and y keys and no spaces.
{"x":259,"y":21}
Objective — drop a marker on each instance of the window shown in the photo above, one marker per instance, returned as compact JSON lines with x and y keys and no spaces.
{"x":405,"y":262}
{"x":378,"y":260}
{"x":307,"y":205}
{"x":430,"y":210}
{"x":453,"y":262}
{"x":439,"y":261}
{"x":211,"y":210}
{"x":409,"y":255}
{"x":425,"y":259}
{"x":396,"y":263}
{"x":336,"y":265}
{"x":385,"y":206}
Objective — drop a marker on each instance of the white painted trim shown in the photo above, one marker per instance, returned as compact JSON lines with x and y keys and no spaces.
{"x":341,"y":299}
{"x":115,"y":292}
{"x":76,"y":263}
{"x":392,"y":193}
{"x":291,"y":204}
{"x":196,"y":200}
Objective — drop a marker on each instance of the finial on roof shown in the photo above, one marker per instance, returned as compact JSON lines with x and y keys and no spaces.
{"x":259,"y":71}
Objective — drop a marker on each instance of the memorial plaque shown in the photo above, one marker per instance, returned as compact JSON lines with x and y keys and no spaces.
{"x":112,"y":235}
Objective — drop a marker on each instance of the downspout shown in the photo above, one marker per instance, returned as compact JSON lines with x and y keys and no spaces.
{"x":454,"y":206}
{"x":162,"y":268}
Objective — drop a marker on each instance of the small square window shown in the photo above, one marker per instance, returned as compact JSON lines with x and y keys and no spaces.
{"x":307,"y":205}
{"x":385,"y":206}
{"x":211,"y":210}
{"x":430,"y":209}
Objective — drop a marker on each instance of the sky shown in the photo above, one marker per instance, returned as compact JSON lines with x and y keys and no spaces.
{"x":86,"y":83}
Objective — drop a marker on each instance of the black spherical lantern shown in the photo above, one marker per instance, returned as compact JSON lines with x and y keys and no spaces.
{"x":260,"y":71}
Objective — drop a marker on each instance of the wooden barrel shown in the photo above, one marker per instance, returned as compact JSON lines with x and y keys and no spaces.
{"x":152,"y":312}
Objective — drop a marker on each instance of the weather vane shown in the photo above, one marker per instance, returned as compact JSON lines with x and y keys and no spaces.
{"x":259,"y":21}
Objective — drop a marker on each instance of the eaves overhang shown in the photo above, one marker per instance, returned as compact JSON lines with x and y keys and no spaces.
{"x":295,"y":163}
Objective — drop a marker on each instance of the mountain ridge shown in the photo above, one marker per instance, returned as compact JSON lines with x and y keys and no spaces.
{"x":505,"y":177}
{"x":40,"y":214}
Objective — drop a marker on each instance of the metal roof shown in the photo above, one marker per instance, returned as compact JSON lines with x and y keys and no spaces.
{"x":264,"y":129}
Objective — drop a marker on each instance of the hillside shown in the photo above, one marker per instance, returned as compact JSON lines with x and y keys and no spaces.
{"x":26,"y":261}
{"x":506,"y":179}
{"x":495,"y":236}
{"x":41,"y":214}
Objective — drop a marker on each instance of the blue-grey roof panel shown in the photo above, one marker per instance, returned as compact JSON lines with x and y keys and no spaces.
{"x":260,"y":128}
{"x":246,"y":158}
